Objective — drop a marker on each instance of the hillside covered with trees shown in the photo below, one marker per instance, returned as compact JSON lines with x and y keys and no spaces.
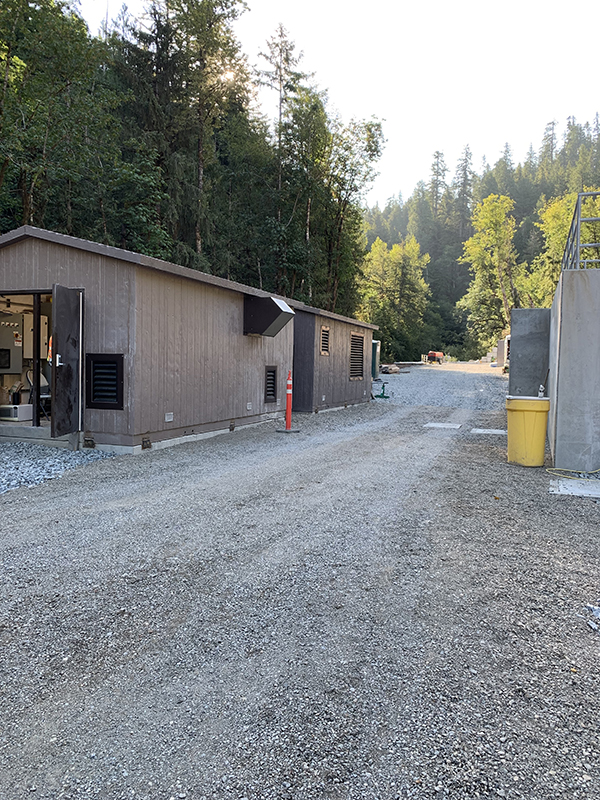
{"x":480,"y":243}
{"x":148,"y":138}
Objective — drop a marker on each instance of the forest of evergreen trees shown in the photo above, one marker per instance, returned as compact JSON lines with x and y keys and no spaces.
{"x":483,"y":243}
{"x":147,"y":139}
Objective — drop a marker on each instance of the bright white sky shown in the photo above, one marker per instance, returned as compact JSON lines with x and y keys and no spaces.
{"x":439,"y":74}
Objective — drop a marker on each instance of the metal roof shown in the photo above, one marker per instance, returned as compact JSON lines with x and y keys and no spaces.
{"x":139,"y":259}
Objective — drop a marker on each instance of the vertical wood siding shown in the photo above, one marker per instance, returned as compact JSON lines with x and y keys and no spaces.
{"x":182,"y":340}
{"x":192,"y":359}
{"x":108,"y":310}
{"x":332,"y":372}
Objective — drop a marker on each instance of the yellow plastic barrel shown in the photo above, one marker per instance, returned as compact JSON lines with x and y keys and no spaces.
{"x":527,"y":423}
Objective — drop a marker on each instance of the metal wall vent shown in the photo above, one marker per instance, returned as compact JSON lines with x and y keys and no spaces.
{"x":271,"y":385}
{"x":265,"y":316}
{"x":357,"y":347}
{"x":324,"y":341}
{"x":104,"y":381}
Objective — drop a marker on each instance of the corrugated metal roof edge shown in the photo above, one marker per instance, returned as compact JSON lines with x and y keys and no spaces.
{"x":29,"y":231}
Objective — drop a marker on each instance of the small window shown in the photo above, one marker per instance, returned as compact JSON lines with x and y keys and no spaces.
{"x":324,"y":340}
{"x":270,"y":384}
{"x":104,"y":381}
{"x":356,"y":357}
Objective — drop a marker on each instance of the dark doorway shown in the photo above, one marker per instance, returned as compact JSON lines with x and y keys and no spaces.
{"x":67,"y":325}
{"x":46,"y":356}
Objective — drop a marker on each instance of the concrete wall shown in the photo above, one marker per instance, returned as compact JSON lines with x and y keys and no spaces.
{"x":529,"y":350}
{"x":500,"y":353}
{"x":555,"y":313}
{"x":574,"y":424}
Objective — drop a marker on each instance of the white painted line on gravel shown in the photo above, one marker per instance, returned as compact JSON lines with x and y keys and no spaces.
{"x":574,"y":487}
{"x":492,"y":431}
{"x":441,"y":425}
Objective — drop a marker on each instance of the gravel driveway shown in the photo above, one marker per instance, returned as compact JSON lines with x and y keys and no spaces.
{"x":366,"y":609}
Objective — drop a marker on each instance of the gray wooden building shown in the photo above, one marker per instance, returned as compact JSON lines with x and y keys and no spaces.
{"x":147,"y":353}
{"x":332,"y":360}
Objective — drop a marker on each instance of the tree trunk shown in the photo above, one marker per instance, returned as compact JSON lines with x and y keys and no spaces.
{"x":336,"y":274}
{"x":503,"y":290}
{"x":513,"y":289}
{"x":69,"y":209}
{"x":102,"y":212}
{"x":3,"y":169}
{"x":201,"y":165}
{"x":336,"y":286}
{"x":26,"y":199}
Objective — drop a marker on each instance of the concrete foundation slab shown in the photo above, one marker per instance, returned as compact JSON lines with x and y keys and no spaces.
{"x":42,"y":435}
{"x":575,"y":487}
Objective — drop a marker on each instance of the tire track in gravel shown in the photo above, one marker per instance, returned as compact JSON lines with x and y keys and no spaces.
{"x":263,"y":608}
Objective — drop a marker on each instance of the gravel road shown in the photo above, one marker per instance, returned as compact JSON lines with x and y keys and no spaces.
{"x":366,"y":609}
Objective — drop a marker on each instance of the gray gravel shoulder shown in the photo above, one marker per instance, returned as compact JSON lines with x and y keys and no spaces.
{"x":25,"y":464}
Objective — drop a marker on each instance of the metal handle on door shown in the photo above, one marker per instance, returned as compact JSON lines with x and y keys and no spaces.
{"x":59,"y":362}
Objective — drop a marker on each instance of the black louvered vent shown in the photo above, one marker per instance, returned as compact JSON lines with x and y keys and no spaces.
{"x":104,"y":381}
{"x":324,"y":341}
{"x":271,"y":385}
{"x":356,"y":356}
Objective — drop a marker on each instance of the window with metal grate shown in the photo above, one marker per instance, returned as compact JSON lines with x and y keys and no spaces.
{"x":324,"y":340}
{"x":270,"y":384}
{"x":104,"y":381}
{"x":356,"y":357}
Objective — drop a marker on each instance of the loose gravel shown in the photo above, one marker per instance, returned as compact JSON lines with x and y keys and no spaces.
{"x":24,"y":464}
{"x":366,"y":609}
{"x":445,"y":385}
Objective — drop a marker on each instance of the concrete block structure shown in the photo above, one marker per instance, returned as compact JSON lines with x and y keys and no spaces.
{"x":574,"y":381}
{"x":529,"y":350}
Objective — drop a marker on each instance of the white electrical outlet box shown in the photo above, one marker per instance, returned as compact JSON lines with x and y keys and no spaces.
{"x":248,"y":406}
{"x":169,"y":416}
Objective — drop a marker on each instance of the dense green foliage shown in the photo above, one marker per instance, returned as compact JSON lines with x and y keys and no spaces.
{"x":495,"y":240}
{"x":394,"y":294}
{"x":146,"y":140}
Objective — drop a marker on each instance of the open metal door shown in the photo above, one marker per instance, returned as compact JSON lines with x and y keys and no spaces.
{"x":67,"y":348}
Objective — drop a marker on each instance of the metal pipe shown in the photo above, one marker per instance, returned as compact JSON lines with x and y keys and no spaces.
{"x":288,"y":402}
{"x":578,"y":231}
